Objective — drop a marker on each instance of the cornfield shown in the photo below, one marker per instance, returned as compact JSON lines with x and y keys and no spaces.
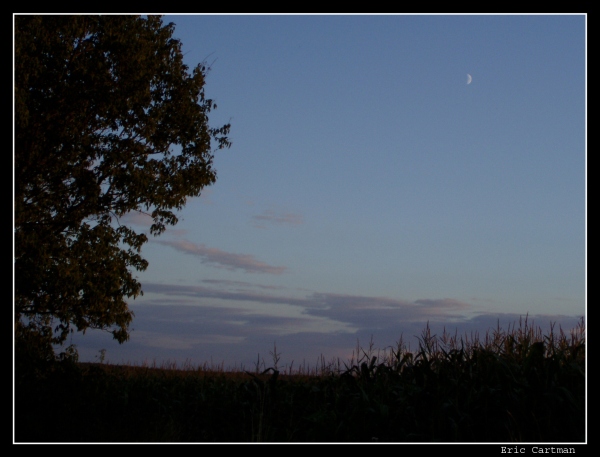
{"x":518,"y":385}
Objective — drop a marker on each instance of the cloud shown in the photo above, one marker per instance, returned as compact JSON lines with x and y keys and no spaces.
{"x":220,"y":294}
{"x":354,"y":311}
{"x":238,"y":323}
{"x":182,"y":330}
{"x":444,"y":303}
{"x":273,"y":217}
{"x":222,"y":259}
{"x":364,"y":314}
{"x":239,"y":284}
{"x":187,"y":340}
{"x":384,"y":315}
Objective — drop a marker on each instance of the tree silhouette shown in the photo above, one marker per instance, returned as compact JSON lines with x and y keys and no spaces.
{"x":108,"y":121}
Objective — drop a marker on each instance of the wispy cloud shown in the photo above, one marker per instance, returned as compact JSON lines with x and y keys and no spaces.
{"x":222,"y":259}
{"x":239,"y":284}
{"x":176,"y":290}
{"x":368,"y":312}
{"x":276,"y":218}
{"x":442,"y":304}
{"x":354,"y":310}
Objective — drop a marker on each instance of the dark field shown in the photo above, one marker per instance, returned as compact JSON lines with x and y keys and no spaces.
{"x":515,"y":386}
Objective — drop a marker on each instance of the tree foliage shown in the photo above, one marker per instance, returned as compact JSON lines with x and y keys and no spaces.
{"x":108,"y":121}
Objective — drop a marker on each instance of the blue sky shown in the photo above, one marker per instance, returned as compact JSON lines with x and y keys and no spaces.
{"x":370,"y":189}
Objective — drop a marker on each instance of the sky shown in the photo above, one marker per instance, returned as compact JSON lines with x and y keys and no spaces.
{"x":371,"y":190}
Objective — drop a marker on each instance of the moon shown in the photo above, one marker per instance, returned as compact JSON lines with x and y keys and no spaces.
{"x":469,"y":79}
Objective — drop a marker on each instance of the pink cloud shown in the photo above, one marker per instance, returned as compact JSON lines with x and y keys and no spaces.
{"x":443,"y":303}
{"x":222,"y":259}
{"x":272,"y":217}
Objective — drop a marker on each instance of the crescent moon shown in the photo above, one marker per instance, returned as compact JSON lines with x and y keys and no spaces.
{"x":469,"y":78}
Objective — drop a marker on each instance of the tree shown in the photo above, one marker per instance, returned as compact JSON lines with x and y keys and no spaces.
{"x":108,"y":121}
